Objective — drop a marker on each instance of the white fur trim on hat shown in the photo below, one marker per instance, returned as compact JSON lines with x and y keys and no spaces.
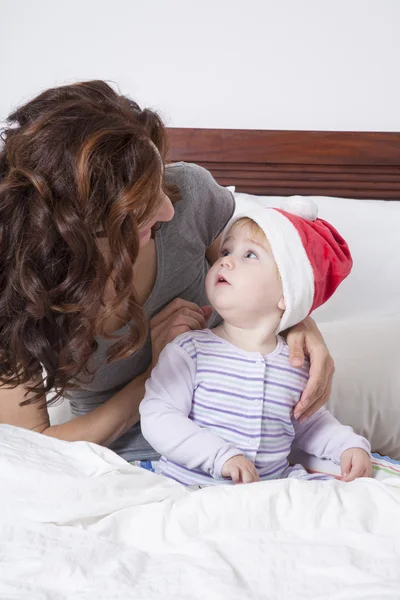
{"x":301,"y":206}
{"x":292,"y":261}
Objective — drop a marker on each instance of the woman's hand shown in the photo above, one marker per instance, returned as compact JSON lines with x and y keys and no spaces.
{"x":179,"y":316}
{"x":305,"y":338}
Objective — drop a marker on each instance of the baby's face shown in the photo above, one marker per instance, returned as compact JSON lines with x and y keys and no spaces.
{"x":245,"y":278}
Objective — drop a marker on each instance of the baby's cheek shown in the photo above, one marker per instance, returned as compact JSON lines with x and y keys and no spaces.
{"x":211,"y":273}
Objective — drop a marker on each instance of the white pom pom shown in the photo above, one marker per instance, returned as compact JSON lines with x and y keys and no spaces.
{"x":301,"y":207}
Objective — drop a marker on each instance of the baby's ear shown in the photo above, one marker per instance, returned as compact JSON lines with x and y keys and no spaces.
{"x":282,"y":303}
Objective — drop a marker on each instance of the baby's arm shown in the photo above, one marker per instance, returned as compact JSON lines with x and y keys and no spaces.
{"x":323,"y":436}
{"x":164,"y":416}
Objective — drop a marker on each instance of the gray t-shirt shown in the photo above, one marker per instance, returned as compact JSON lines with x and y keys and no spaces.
{"x":200,"y":216}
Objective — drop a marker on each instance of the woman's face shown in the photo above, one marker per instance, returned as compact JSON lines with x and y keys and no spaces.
{"x":165,"y":212}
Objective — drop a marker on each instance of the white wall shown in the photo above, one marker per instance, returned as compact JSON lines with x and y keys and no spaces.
{"x":268,"y":64}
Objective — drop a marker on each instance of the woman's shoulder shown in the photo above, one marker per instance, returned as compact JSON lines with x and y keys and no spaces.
{"x":207,"y":205}
{"x":187,"y":175}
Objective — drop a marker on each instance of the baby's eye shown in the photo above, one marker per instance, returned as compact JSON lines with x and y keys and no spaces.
{"x":250,"y":254}
{"x":224,"y":252}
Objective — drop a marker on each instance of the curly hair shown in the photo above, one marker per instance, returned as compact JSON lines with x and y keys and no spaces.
{"x":76,"y":160}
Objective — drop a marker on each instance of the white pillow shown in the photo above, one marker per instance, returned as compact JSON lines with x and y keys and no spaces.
{"x":366,"y":386}
{"x":371,"y":228}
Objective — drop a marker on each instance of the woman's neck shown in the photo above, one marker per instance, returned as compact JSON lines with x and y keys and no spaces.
{"x":144,"y":277}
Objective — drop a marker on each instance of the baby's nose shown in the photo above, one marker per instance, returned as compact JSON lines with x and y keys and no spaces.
{"x":228,"y":261}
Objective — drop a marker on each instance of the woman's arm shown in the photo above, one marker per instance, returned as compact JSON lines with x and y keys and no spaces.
{"x":103,"y":425}
{"x":107,"y":422}
{"x":305,"y":338}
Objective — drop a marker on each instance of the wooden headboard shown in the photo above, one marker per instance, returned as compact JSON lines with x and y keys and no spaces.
{"x":353,"y":165}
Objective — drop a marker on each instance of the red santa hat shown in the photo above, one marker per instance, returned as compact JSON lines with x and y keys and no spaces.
{"x":311,"y":256}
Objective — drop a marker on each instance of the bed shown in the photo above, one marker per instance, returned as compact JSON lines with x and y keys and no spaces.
{"x":76,"y":521}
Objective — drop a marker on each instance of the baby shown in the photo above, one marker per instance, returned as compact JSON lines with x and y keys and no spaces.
{"x":218,"y":406}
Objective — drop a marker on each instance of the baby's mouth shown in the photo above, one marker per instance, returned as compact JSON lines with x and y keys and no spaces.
{"x":221,"y":280}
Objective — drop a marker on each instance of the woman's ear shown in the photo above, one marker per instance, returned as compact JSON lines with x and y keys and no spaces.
{"x":282,"y":303}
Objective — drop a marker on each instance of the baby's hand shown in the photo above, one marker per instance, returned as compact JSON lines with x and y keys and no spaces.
{"x":355,"y":462}
{"x":240,"y":469}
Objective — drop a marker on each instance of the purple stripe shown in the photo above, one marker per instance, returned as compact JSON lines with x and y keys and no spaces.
{"x":219,"y":391}
{"x":242,"y":433}
{"x":166,"y":474}
{"x":206,"y":424}
{"x":223,"y":392}
{"x":289,"y":371}
{"x":187,"y":476}
{"x":196,"y":471}
{"x":269,"y":401}
{"x":281,"y":467}
{"x":226,"y":412}
{"x":228,"y":356}
{"x":185,"y":342}
{"x":285,"y":449}
{"x":282,"y":385}
{"x":189,"y":481}
{"x":258,"y":379}
{"x":236,"y":414}
{"x":274,"y":444}
{"x":266,"y":400}
{"x":276,"y":435}
{"x":279,"y":420}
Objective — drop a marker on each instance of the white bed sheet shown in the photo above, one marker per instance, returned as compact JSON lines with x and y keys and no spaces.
{"x":78,"y":522}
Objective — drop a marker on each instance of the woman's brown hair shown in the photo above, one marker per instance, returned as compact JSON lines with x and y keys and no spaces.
{"x":76,"y":160}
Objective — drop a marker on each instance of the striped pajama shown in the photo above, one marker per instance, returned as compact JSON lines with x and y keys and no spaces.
{"x":237,"y":402}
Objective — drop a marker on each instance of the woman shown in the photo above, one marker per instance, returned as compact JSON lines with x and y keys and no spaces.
{"x":91,"y":250}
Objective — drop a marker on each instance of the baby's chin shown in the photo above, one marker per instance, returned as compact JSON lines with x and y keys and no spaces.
{"x":229,"y":312}
{"x":242,"y":314}
{"x":218,"y":298}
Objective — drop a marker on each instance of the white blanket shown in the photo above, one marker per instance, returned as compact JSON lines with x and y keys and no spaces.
{"x":78,"y":522}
